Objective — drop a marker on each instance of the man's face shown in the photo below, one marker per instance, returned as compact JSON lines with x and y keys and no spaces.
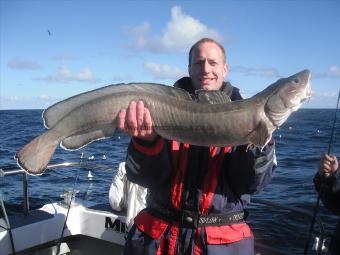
{"x":207,"y":68}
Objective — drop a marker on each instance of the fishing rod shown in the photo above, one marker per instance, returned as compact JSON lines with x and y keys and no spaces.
{"x":69,"y":206}
{"x":334,"y":121}
{"x":316,"y":207}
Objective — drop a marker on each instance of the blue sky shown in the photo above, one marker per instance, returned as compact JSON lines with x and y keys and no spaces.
{"x":96,"y":43}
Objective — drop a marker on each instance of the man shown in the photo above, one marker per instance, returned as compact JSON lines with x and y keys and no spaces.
{"x":328,"y":177}
{"x":196,"y":195}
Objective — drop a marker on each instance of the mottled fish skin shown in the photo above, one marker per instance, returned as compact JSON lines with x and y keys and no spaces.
{"x":79,"y":120}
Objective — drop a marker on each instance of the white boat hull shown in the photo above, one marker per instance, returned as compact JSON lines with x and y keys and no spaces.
{"x":31,"y":232}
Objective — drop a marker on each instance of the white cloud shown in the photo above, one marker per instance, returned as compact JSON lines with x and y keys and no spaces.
{"x":14,"y":98}
{"x":159,"y":71}
{"x":84,"y":75}
{"x":326,"y":95}
{"x":64,"y":57}
{"x":140,"y":34}
{"x":256,"y":71}
{"x":332,"y":72}
{"x":179,"y":34}
{"x":25,"y":102}
{"x":45,"y":97}
{"x":323,"y":99}
{"x":122,"y":78}
{"x":65,"y":75}
{"x":23,"y":64}
{"x":183,"y":30}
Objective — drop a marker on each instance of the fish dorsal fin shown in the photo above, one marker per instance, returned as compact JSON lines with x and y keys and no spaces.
{"x":212,"y":96}
{"x":56,"y":112}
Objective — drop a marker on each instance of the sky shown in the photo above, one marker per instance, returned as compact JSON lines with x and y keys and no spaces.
{"x":52,"y":50}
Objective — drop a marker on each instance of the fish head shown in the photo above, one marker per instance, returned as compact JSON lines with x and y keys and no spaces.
{"x":288,"y":96}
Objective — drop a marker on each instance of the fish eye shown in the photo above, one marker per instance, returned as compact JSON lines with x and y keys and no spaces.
{"x":296,"y":80}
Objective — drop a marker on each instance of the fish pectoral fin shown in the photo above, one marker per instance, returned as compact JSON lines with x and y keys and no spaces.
{"x":85,"y":137}
{"x":261,"y":135}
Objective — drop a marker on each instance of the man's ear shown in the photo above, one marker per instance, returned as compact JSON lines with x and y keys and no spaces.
{"x":225,"y":70}
{"x":189,"y":70}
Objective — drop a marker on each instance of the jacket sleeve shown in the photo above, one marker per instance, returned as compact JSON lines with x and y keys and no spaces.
{"x":148,"y":164}
{"x":330,"y":191}
{"x":116,"y":193}
{"x":251,"y":169}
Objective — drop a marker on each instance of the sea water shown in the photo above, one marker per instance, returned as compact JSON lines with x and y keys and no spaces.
{"x":300,"y":142}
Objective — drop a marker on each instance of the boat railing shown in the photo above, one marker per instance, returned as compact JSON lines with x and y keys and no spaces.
{"x":10,"y":171}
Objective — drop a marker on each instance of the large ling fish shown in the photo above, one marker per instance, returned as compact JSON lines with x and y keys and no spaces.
{"x":79,"y":120}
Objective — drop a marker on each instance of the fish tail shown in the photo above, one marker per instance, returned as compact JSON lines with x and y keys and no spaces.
{"x":35,"y":156}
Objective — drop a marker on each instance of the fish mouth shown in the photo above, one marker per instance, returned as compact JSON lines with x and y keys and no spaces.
{"x":309,"y":91}
{"x":305,"y":87}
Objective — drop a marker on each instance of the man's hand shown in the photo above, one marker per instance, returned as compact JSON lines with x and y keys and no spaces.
{"x":136,"y":121}
{"x":328,"y":165}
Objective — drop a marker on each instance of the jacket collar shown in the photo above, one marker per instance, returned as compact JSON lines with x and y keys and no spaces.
{"x":186,"y":84}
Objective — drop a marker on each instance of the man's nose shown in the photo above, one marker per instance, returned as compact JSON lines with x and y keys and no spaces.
{"x":206,"y":67}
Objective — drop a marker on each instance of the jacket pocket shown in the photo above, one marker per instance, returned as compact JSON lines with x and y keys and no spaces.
{"x":150,"y":225}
